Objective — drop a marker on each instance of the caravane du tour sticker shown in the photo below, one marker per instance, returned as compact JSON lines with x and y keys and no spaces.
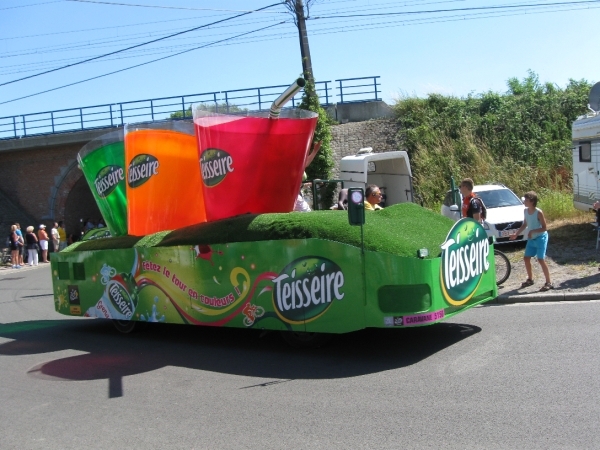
{"x":305,"y":289}
{"x":215,"y":165}
{"x":464,"y":261}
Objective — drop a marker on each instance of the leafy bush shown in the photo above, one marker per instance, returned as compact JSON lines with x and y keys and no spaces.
{"x":222,"y":108}
{"x":521,"y":138}
{"x":323,"y":164}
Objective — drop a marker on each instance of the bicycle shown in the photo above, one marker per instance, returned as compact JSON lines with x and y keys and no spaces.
{"x":5,"y":256}
{"x":503,"y":267}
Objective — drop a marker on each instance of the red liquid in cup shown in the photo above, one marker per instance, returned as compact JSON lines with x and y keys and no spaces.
{"x":251,"y":164}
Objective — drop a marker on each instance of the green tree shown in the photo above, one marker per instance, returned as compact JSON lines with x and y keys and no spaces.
{"x":211,"y":107}
{"x":321,"y":167}
{"x":521,"y":138}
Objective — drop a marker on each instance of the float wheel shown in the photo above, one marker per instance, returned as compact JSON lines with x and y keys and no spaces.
{"x":299,"y":339}
{"x":124,"y":326}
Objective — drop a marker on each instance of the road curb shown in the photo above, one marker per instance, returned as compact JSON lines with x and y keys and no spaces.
{"x":25,"y":268}
{"x":547,"y":297}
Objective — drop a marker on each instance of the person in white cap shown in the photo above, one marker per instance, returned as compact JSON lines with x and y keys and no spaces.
{"x":43,"y":239}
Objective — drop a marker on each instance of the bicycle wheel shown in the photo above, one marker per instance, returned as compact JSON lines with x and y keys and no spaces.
{"x":503,"y":267}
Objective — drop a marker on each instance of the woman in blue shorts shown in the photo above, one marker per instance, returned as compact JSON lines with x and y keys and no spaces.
{"x":537,"y":240}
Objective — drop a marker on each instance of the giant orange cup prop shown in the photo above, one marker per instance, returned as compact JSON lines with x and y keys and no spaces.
{"x":252,"y":164}
{"x":164,"y":189}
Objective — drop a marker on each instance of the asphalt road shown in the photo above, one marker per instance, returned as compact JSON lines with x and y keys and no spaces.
{"x":507,"y":376}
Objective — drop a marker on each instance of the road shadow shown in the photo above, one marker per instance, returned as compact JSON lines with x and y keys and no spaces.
{"x":110,"y":355}
{"x":573,"y":243}
{"x":503,"y":291}
{"x":579,"y":282}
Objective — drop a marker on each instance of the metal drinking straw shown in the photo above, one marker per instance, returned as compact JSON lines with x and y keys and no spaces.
{"x":285,"y":97}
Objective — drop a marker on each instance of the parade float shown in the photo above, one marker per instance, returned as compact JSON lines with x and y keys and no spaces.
{"x":202,"y":233}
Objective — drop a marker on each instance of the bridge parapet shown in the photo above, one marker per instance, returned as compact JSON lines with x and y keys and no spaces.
{"x":349,"y":90}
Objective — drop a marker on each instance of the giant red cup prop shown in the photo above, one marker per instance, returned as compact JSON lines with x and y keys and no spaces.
{"x":252,"y":164}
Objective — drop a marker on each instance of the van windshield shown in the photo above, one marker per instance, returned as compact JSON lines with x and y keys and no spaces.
{"x":499,"y":198}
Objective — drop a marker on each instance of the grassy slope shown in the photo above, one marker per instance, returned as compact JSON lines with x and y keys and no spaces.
{"x":400,"y":229}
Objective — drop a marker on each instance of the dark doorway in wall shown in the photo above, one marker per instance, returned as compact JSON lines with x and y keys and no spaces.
{"x":80,"y":206}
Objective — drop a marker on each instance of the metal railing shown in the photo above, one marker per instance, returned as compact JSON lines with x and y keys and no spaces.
{"x":116,"y":114}
{"x":354,"y":89}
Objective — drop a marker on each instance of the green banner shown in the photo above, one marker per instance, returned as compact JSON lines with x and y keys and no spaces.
{"x":303,"y":285}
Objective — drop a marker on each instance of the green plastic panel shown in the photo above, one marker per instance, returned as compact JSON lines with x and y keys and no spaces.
{"x":404,"y":299}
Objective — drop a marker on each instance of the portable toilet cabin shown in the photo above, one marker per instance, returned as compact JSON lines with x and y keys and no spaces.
{"x":390,"y":171}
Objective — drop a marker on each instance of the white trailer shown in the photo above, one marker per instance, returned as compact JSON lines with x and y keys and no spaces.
{"x":586,"y":155}
{"x":390,"y":171}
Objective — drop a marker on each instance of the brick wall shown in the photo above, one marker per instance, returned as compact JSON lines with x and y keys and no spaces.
{"x":28,"y":176}
{"x":11,"y":213}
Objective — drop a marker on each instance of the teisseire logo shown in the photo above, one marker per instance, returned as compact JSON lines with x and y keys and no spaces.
{"x":306,"y":287}
{"x":108,"y":179}
{"x":464,"y":261}
{"x":120,"y":298}
{"x":215,"y":164}
{"x":141,"y":168}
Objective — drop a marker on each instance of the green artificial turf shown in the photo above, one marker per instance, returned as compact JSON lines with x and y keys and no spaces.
{"x":400,"y":229}
{"x":103,"y":244}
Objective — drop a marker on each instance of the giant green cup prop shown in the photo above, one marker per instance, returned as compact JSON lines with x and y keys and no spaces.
{"x":102,"y":161}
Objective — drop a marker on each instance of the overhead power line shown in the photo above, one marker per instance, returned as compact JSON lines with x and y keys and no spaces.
{"x":138,"y":45}
{"x":375,"y":23}
{"x":127,"y":25}
{"x":119,"y":40}
{"x":89,"y":44}
{"x":347,"y":27}
{"x":139,"y":65}
{"x":168,"y":7}
{"x":474,"y":8}
{"x":31,"y":4}
{"x":386,"y":5}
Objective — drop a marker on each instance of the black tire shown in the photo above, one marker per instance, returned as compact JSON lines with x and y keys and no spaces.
{"x":503,"y":267}
{"x":124,"y":326}
{"x":299,"y":339}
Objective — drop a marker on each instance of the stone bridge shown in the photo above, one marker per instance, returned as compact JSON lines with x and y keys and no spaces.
{"x":40,"y":181}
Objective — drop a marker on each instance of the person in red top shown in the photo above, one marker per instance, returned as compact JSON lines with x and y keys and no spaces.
{"x":470,"y":207}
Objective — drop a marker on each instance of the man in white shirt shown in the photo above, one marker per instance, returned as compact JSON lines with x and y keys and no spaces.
{"x":55,"y":237}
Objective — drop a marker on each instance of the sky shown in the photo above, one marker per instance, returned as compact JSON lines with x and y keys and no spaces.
{"x":413,"y":47}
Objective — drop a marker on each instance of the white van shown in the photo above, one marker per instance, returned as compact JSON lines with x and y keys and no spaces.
{"x":390,"y":171}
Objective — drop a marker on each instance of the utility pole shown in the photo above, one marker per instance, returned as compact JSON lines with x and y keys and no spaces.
{"x":297,"y":8}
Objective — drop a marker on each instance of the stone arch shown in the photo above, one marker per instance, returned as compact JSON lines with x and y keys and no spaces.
{"x":63,"y":183}
{"x":71,"y":194}
{"x":80,"y":204}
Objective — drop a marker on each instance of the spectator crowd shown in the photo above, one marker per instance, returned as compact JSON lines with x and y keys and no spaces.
{"x":33,"y":247}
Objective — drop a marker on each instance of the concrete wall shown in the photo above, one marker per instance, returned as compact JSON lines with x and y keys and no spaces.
{"x":347,"y":139}
{"x":360,"y":111}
